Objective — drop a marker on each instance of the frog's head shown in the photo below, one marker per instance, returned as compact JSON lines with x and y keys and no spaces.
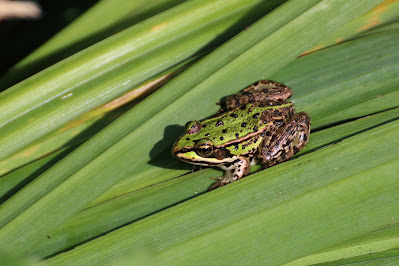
{"x":195,"y":147}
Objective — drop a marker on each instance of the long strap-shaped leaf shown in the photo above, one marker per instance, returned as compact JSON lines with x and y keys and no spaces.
{"x":124,"y":209}
{"x":96,"y":75}
{"x":132,"y":198}
{"x":274,"y":217}
{"x":105,"y":18}
{"x":267,"y":46}
{"x":144,"y":112}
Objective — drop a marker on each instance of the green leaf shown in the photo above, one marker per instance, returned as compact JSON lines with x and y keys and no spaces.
{"x":269,"y":216}
{"x":104,"y":19}
{"x":373,"y":21}
{"x":250,"y":56}
{"x":119,"y":209}
{"x":109,"y":68}
{"x":11,"y":183}
{"x":86,"y":25}
{"x":369,"y":246}
{"x":389,"y":257}
{"x":88,"y":124}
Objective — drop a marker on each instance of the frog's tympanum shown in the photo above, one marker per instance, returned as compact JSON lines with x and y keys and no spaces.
{"x":254,"y":125}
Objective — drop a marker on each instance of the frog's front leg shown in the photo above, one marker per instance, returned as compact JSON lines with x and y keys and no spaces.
{"x":233,"y":171}
{"x":288,"y":140}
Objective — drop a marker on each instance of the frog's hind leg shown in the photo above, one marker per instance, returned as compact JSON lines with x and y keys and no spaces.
{"x":266,"y":91}
{"x":288,"y":140}
{"x":236,"y":170}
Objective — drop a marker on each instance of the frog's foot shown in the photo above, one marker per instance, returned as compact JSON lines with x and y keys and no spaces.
{"x":236,"y":170}
{"x":288,"y":140}
{"x":260,"y":91}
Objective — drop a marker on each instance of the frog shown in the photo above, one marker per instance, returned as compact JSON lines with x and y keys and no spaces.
{"x":255,"y":125}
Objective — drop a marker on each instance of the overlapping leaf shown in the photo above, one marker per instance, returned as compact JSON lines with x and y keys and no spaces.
{"x":301,"y":196}
{"x":109,"y":68}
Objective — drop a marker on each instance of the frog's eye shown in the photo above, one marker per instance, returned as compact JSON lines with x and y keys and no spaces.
{"x":204,"y":148}
{"x":193,"y":127}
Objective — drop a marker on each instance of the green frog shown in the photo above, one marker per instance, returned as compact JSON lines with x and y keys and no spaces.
{"x":256,"y":125}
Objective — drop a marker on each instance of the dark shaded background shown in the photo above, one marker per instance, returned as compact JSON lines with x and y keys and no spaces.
{"x":18,"y":38}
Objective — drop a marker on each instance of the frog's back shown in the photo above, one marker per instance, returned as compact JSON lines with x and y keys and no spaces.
{"x":249,"y":119}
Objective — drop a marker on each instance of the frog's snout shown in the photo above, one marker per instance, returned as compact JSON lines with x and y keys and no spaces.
{"x":174,"y":150}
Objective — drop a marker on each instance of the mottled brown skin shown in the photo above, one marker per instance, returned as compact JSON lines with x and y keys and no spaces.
{"x":288,"y":140}
{"x":263,"y":91}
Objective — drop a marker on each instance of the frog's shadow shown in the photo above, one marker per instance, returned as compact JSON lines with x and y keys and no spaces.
{"x":165,"y":159}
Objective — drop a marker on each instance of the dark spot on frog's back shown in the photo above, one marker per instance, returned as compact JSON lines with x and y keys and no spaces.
{"x":237,"y":135}
{"x":244,"y":124}
{"x":219,"y":123}
{"x":255,"y":128}
{"x":234,"y":115}
{"x":256,"y":115}
{"x":221,"y":138}
{"x":207,"y":135}
{"x":224,"y":130}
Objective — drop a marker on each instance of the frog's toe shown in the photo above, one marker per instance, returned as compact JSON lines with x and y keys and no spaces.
{"x":215,"y":185}
{"x":218,"y":178}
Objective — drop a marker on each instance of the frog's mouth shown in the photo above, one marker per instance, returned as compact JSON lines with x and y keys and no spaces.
{"x":189,"y":155}
{"x":198,"y":162}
